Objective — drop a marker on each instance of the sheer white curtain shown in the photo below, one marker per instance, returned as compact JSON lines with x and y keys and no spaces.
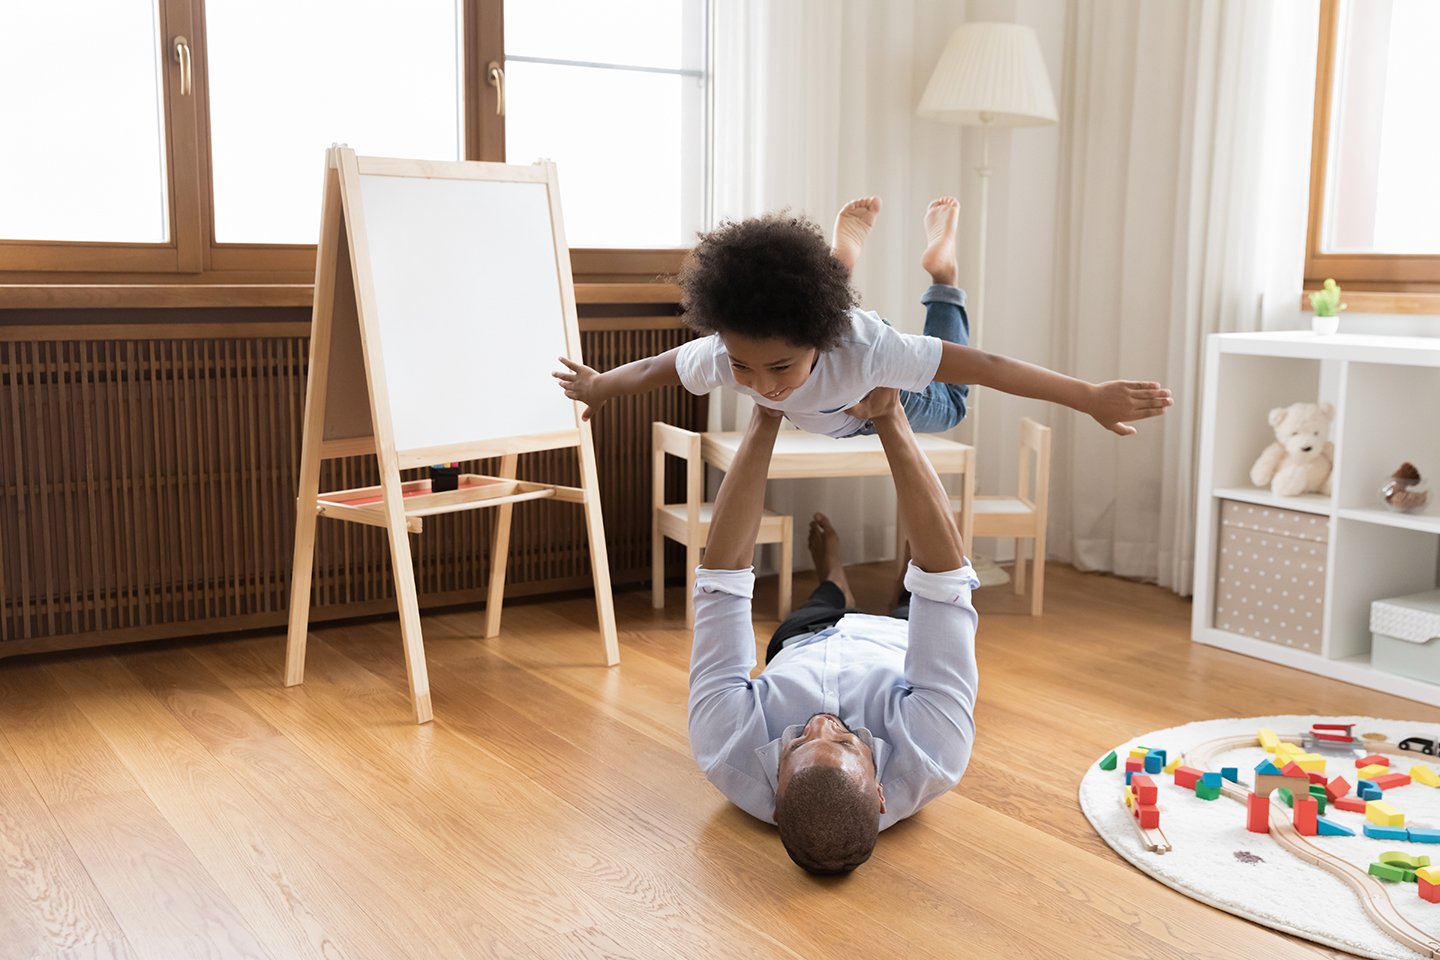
{"x":814,"y":106}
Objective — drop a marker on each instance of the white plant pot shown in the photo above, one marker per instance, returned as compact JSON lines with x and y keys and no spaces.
{"x":1325,"y":326}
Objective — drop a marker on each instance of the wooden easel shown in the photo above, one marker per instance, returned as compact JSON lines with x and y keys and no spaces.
{"x":369,"y":311}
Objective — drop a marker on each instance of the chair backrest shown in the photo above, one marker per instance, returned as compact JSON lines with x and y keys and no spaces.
{"x":1035,"y":440}
{"x":685,"y":444}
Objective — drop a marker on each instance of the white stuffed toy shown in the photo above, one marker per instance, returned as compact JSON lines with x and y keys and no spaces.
{"x":1299,"y":460}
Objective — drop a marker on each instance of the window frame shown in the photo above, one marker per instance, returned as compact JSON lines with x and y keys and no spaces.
{"x":1362,"y":272}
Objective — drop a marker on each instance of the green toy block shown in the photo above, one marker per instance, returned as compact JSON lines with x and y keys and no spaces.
{"x":1206,"y":793}
{"x":1388,"y":873}
{"x":1287,"y":796}
{"x":1109,"y":762}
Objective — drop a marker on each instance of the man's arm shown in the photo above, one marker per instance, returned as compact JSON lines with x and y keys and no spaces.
{"x":735,"y":519}
{"x":1112,"y":403}
{"x":640,"y":376}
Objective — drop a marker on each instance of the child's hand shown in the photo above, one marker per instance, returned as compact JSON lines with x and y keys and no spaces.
{"x":581,"y":383}
{"x":1118,"y":401}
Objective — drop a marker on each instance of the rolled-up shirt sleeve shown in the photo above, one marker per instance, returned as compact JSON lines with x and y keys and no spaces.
{"x":940,"y":666}
{"x":722,"y":655}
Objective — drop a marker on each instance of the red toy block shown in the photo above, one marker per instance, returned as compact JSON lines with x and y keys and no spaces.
{"x":1134,"y":764}
{"x":1428,"y":891}
{"x":1148,"y":814}
{"x":1337,"y":788}
{"x":1145,"y":789}
{"x":1186,"y":777}
{"x":1257,"y":816}
{"x":1317,"y":776}
{"x":1353,"y":804}
{"x":1373,"y":758}
{"x":1293,"y":769}
{"x":1306,"y":810}
{"x":1388,"y":780}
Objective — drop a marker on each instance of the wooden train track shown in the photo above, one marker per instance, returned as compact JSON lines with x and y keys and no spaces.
{"x":1373,"y":894}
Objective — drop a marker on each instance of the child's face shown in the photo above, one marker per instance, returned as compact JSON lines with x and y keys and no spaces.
{"x":772,"y":368}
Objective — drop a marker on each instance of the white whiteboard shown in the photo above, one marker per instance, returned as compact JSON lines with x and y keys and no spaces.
{"x":468,"y":302}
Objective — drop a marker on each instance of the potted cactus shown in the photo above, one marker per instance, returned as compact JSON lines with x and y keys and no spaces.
{"x":1327,"y":306}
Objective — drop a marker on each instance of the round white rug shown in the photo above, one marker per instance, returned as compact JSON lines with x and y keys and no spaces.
{"x":1217,"y":861}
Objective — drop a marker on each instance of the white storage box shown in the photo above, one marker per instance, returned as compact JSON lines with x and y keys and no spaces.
{"x":1405,"y":635}
{"x":1270,"y":574}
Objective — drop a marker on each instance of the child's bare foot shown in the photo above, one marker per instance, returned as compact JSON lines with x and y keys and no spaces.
{"x":852,"y":226}
{"x":942,"y":219}
{"x":825,"y":551}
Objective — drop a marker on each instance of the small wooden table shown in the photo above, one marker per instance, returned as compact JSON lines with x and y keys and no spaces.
{"x":801,"y":455}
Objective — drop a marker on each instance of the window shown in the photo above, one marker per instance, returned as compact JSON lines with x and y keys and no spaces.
{"x":186,"y":136}
{"x":1374,"y":196}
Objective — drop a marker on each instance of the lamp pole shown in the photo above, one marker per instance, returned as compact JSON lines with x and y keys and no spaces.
{"x":977,"y":302}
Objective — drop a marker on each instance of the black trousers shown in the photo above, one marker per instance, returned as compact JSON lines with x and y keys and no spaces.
{"x":823,"y":610}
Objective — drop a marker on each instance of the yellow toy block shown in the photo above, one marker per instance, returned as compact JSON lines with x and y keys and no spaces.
{"x":1268,"y":740}
{"x":1429,"y":874}
{"x":1423,"y":774}
{"x":1382,"y":814}
{"x":1173,"y":765}
{"x":1139,"y":751}
{"x":1311,"y":761}
{"x":1285,"y":750}
{"x":1129,"y":796}
{"x":1372,"y":771}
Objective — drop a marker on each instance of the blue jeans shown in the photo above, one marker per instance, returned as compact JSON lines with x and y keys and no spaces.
{"x":939,"y":406}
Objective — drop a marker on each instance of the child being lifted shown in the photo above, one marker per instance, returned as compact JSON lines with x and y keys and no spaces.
{"x":785,"y":330}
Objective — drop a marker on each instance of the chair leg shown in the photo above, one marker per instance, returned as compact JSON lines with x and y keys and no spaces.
{"x":692,"y":560}
{"x":1037,"y":590}
{"x":657,"y":569}
{"x":787,"y":563}
{"x":1019,"y":566}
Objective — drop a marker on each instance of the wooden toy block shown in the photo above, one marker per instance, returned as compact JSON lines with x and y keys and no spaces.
{"x":1153,"y":763}
{"x":1170,"y":767}
{"x":1318,"y":795}
{"x":1429,"y":889}
{"x":1266,"y":767}
{"x":1367,"y":790}
{"x":1329,"y":828}
{"x":1268,"y":740}
{"x":1211,"y":779}
{"x":1374,"y":759}
{"x":1399,"y":858}
{"x":1138,"y":753}
{"x":1423,"y":774}
{"x":1386,"y":873}
{"x":1385,"y":833}
{"x":1293,"y":769}
{"x":1428,"y":873}
{"x":1316,"y":776}
{"x":1158,"y":753}
{"x":1109,"y":762}
{"x":1186,"y":777}
{"x":1286,"y":747}
{"x":1134,"y":764}
{"x":1266,"y":783}
{"x":1206,"y":793}
{"x":1336,"y":789}
{"x":1148,"y":814}
{"x":1382,"y":814}
{"x":1423,"y":835}
{"x":1390,"y":781}
{"x":1257,"y":814}
{"x":1371,"y":771}
{"x":1353,"y":804}
{"x":1129,"y":796}
{"x":1287,"y":795}
{"x":1230,"y":773}
{"x":1311,"y":761}
{"x":1145,"y":789}
{"x":1304,"y":818}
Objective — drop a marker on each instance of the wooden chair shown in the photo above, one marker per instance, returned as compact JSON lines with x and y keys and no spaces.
{"x":688,"y":522}
{"x":1021,"y":516}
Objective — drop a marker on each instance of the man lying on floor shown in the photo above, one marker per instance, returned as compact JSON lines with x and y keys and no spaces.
{"x":857,"y":721}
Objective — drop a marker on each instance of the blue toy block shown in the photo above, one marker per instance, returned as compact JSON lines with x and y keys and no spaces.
{"x":1376,"y":832}
{"x":1154,"y":762}
{"x":1368,"y":791}
{"x":1329,"y":828}
{"x":1211,"y":779}
{"x":1418,"y":835}
{"x":1265,"y":766}
{"x":1157,"y":753}
{"x":1128,"y":775}
{"x":1230,"y":773}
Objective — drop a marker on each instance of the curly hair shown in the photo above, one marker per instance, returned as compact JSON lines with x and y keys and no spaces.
{"x":828,"y":820}
{"x":770,"y":277}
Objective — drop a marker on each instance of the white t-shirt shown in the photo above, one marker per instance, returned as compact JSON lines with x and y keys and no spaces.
{"x":871,"y":354}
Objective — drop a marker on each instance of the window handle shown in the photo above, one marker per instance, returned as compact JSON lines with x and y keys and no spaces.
{"x":182,"y":57}
{"x":496,"y":79}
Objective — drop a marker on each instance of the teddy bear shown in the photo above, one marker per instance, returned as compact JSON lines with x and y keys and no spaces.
{"x":1299,"y":460}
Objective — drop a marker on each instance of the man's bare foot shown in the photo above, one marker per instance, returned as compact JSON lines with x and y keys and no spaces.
{"x":942,"y":218}
{"x":852,"y":226}
{"x":825,"y":551}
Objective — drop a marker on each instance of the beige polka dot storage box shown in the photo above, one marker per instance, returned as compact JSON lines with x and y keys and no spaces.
{"x":1405,"y":635}
{"x":1270,"y":583}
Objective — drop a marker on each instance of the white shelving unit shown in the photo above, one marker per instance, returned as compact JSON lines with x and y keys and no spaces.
{"x":1386,"y":392}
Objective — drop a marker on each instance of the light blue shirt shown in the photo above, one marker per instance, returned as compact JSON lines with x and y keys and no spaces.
{"x":907,"y":687}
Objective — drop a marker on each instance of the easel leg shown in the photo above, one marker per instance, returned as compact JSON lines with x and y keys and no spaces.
{"x":410,"y":634}
{"x":300,"y":571}
{"x":599,"y":555}
{"x":500,"y":552}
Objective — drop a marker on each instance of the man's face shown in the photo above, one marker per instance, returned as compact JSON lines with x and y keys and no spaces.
{"x":772,"y":368}
{"x":827,"y":742}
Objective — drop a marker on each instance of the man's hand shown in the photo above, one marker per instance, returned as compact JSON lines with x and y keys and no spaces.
{"x":880,"y":402}
{"x":1116,"y":402}
{"x":582,"y":383}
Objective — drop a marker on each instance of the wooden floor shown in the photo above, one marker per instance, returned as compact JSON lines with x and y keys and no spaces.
{"x":175,"y":801}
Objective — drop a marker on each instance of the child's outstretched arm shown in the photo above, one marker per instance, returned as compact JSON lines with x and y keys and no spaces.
{"x":640,"y":376}
{"x":1113,"y":404}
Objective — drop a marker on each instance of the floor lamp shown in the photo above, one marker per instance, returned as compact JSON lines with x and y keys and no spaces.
{"x":990,"y":75}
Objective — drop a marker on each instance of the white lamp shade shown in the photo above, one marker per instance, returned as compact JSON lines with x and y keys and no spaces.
{"x":994,"y":69}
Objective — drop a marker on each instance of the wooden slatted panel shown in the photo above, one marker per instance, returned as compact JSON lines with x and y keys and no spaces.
{"x":147,"y":489}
